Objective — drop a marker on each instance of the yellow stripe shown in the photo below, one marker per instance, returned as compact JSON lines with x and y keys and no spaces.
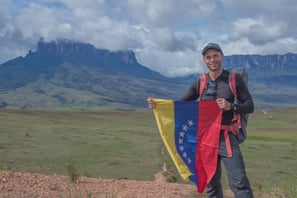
{"x":164,"y":115}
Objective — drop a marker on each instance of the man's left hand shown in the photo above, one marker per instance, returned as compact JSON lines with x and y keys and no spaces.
{"x":224,"y":104}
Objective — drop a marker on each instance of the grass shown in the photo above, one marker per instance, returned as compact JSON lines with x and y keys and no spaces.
{"x":271,"y":152}
{"x":96,"y":144}
{"x":126,"y":144}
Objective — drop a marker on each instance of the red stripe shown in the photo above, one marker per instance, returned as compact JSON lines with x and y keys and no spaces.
{"x":209,"y":124}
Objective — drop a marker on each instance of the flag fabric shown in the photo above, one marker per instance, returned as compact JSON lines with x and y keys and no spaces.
{"x":190,"y":132}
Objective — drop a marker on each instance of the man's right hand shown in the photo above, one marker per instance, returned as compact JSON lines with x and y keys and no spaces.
{"x":151,"y":103}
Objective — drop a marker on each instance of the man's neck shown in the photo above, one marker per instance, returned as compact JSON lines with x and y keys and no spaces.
{"x":215,"y":74}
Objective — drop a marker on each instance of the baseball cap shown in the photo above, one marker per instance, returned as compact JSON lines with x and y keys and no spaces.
{"x":211,"y":46}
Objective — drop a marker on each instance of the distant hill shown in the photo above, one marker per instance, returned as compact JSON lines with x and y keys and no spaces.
{"x":77,"y":75}
{"x":67,"y":74}
{"x":272,"y":78}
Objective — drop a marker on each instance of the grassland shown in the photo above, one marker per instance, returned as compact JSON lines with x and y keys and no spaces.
{"x":117,"y":144}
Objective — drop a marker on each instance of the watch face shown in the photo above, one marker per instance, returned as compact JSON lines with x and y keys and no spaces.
{"x":235,"y":107}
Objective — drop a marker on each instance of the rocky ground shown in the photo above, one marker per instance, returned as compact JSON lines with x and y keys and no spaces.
{"x":28,"y":185}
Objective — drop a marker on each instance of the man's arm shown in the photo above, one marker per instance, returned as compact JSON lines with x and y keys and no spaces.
{"x":245,"y":100}
{"x":193,"y":92}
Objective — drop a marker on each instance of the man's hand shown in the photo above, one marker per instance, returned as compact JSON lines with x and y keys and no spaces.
{"x":223,"y":104}
{"x":151,"y":103}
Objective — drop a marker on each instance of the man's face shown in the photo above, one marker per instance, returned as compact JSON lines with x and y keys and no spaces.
{"x":213,"y":59}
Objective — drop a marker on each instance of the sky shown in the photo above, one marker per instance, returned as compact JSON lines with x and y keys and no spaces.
{"x":167,"y":36}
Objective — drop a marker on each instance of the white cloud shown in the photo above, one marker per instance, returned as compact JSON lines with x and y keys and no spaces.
{"x":167,"y":12}
{"x":167,"y":36}
{"x":172,"y":63}
{"x":257,"y":31}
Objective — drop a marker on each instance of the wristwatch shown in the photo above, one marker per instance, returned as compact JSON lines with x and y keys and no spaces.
{"x":234,"y":107}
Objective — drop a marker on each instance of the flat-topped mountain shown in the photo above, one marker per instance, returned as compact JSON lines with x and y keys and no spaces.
{"x":68,"y":74}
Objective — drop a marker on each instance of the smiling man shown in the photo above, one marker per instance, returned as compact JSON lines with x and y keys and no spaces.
{"x":217,"y":89}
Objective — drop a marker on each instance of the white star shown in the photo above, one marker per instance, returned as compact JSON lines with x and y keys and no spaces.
{"x":190,"y":123}
{"x":185,"y":155}
{"x":189,"y":160}
{"x":181,"y":148}
{"x":185,"y":127}
{"x":180,"y":140}
{"x":182,"y":134}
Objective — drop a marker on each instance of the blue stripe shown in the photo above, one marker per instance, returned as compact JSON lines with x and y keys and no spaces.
{"x":186,"y":125}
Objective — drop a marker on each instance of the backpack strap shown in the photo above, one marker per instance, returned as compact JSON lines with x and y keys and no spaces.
{"x":232,"y":84}
{"x":202,"y":85}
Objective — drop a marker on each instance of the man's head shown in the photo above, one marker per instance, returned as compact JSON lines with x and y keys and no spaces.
{"x":213,"y":57}
{"x":211,"y":46}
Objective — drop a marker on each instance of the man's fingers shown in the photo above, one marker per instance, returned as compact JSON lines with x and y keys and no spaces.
{"x":151,"y":103}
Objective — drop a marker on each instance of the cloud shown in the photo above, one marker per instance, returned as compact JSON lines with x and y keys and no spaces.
{"x":257,"y":31}
{"x":172,"y":63}
{"x":167,"y":12}
{"x":262,"y":21}
{"x":167,"y":36}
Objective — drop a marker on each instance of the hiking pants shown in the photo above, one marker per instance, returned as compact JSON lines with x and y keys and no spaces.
{"x":238,"y":180}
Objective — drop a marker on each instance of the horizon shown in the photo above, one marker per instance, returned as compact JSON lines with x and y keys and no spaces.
{"x":180,"y":75}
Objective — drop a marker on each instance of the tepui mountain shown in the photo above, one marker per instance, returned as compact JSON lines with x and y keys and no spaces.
{"x":68,"y":74}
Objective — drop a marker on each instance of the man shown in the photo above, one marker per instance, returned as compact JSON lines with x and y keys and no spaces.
{"x":218,"y":89}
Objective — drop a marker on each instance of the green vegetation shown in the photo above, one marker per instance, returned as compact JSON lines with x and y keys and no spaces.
{"x":106,"y":144}
{"x":271,"y":152}
{"x":126,"y":144}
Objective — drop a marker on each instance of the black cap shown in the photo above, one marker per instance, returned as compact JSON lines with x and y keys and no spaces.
{"x":211,"y":46}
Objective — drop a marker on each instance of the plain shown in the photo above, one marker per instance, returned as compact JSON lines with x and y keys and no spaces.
{"x":127,"y":144}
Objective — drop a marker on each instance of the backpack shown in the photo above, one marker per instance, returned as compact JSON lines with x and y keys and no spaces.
{"x":240,"y":120}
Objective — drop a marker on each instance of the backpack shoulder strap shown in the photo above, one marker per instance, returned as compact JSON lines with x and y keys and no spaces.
{"x":202,"y":85}
{"x":232,"y":83}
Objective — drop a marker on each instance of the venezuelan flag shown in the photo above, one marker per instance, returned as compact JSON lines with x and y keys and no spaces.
{"x":190,"y":132}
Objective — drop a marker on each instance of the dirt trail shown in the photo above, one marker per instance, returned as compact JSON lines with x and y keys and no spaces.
{"x":159,"y":176}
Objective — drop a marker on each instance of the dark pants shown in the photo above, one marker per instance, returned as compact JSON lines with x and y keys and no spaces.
{"x":238,"y":180}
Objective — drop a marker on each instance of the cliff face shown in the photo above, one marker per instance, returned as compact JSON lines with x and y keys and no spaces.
{"x":66,"y":73}
{"x":85,"y":53}
{"x":48,"y":58}
{"x":286,"y":61}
